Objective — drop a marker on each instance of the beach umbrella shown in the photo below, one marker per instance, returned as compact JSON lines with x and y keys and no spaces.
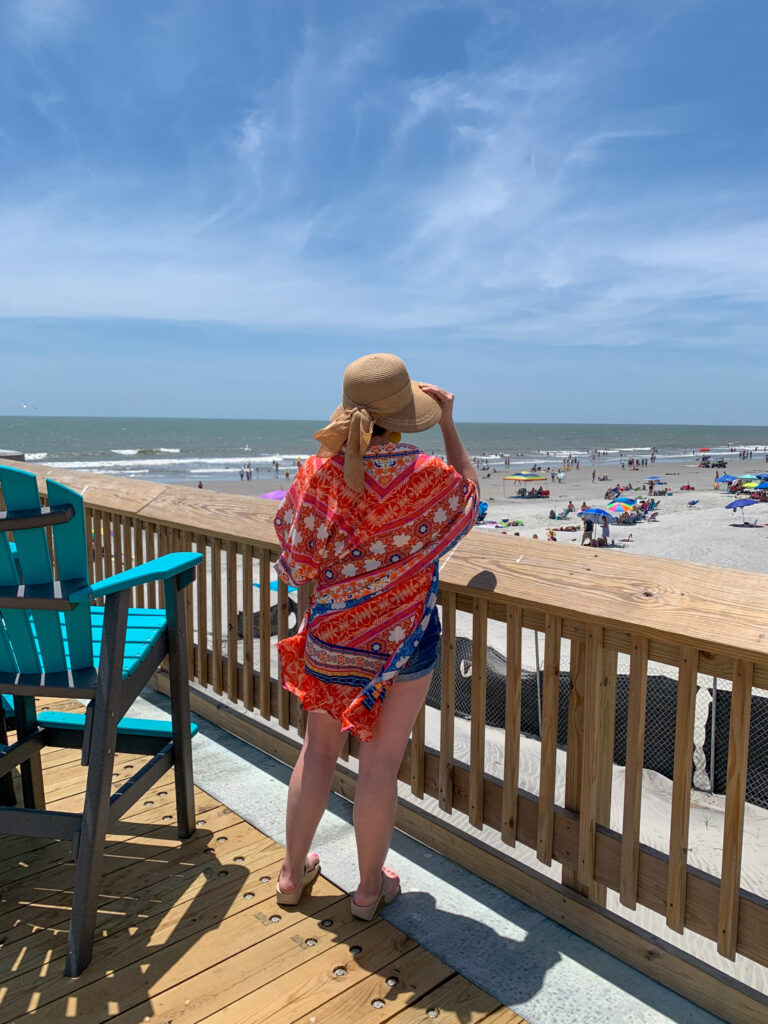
{"x":705,"y":449}
{"x":617,"y":507}
{"x":653,"y":480}
{"x":525,"y":477}
{"x":741,"y":503}
{"x":596,"y":514}
{"x":726,"y":478}
{"x":273,"y":495}
{"x":749,"y":485}
{"x":747,"y":476}
{"x":763,"y":486}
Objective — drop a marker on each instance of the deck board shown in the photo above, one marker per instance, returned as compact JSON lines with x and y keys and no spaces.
{"x":191,"y":932}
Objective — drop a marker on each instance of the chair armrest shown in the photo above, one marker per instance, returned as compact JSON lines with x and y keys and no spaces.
{"x":162,"y":568}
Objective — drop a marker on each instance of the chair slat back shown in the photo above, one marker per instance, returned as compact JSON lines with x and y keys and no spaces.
{"x":20,"y":493}
{"x":72,"y":563}
{"x":7,"y":573}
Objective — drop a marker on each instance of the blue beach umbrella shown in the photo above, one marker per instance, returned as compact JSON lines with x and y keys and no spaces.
{"x":726,"y":478}
{"x":596,"y":514}
{"x":742,"y":504}
{"x":763,"y":486}
{"x":653,"y":480}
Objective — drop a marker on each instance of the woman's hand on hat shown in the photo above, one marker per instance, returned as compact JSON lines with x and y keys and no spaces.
{"x":443,"y":398}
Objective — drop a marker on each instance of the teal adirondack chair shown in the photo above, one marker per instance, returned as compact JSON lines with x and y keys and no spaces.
{"x":54,"y":644}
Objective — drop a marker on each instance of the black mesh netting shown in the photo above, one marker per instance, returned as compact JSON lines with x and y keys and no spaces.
{"x":660,"y":714}
{"x":757,"y":764}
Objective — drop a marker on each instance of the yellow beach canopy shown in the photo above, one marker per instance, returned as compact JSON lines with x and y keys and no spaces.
{"x":523,"y":478}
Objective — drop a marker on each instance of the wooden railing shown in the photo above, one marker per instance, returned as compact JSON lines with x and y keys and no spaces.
{"x":600,"y":605}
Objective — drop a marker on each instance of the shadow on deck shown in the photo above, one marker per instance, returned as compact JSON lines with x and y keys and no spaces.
{"x":191,"y":931}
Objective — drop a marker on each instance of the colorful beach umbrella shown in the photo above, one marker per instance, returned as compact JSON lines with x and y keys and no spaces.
{"x":726,"y":478}
{"x":525,"y":477}
{"x":747,"y":476}
{"x":273,"y":495}
{"x":617,"y":507}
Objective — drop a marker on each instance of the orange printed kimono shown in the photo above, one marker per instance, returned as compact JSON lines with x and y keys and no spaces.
{"x":374,"y":559}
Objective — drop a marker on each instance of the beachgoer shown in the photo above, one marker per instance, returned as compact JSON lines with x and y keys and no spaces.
{"x":605,"y":531}
{"x":586,"y":535}
{"x":200,"y":484}
{"x":368,"y":526}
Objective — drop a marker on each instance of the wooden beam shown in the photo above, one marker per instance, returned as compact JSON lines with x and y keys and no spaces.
{"x":477,"y":727}
{"x":512,"y":712}
{"x":681,"y":789}
{"x":735,"y":799}
{"x":550,"y":698}
{"x":633,"y":778}
{"x":447,"y":701}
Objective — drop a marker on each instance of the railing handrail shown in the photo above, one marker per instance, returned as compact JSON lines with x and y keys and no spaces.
{"x":721,"y":610}
{"x":701,"y":619}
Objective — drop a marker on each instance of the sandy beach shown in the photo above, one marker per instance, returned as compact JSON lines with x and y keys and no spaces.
{"x":705,"y":532}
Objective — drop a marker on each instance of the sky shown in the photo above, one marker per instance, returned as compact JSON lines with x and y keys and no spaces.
{"x":557,"y":209}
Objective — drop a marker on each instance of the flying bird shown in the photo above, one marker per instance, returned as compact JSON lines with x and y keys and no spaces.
{"x":28,"y":405}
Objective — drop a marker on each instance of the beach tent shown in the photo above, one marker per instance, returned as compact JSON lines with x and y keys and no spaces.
{"x":523,"y":478}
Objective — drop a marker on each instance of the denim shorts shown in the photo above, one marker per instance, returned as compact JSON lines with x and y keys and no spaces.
{"x":422,"y":661}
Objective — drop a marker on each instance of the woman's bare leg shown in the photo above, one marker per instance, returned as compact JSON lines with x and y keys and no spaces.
{"x":308,"y":793}
{"x":376,"y":793}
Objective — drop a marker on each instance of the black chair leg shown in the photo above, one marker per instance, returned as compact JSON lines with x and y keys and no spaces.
{"x":7,"y":792}
{"x":92,"y":837}
{"x":178,"y":671}
{"x":32,"y":789}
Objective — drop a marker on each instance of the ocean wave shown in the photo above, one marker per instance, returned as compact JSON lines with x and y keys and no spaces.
{"x":35,"y":456}
{"x":233,"y":461}
{"x":125,"y":451}
{"x":171,"y":450}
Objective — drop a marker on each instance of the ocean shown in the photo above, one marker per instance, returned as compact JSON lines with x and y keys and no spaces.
{"x":188,"y":450}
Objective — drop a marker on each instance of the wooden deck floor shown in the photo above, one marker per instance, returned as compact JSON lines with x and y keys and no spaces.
{"x":191,"y":932}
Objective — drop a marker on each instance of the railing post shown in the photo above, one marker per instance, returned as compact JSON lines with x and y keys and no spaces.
{"x":550,"y":695}
{"x":735,"y":799}
{"x":512,"y":712}
{"x":681,"y":788}
{"x":477,"y":732}
{"x":447,"y":701}
{"x":575,"y":747}
{"x":633,"y":779}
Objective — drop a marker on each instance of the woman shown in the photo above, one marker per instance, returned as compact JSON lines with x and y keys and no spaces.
{"x":367,"y":519}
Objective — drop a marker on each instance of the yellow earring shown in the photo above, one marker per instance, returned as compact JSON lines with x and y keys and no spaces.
{"x":394,"y":436}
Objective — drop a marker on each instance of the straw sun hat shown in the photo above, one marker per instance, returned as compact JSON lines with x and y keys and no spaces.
{"x":377,"y":390}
